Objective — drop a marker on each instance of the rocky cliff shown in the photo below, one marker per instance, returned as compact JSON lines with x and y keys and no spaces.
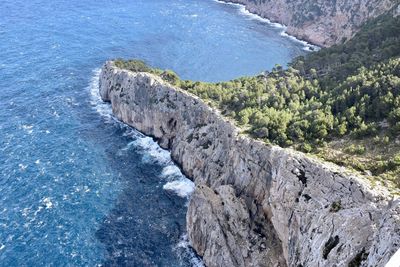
{"x":322,"y":22}
{"x":256,"y":204}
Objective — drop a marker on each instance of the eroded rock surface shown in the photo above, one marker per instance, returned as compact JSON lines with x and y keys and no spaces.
{"x":321,"y":22}
{"x":256,"y":204}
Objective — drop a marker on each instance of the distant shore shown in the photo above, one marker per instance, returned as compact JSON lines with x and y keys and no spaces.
{"x":307,"y":46}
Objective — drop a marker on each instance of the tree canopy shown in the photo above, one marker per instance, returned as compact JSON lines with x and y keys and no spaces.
{"x":350,"y":90}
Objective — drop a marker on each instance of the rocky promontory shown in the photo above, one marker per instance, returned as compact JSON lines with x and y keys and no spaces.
{"x":256,"y":204}
{"x":319,"y":21}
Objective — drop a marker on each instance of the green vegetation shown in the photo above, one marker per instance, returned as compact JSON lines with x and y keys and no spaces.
{"x":133,"y":65}
{"x":341,"y":103}
{"x":376,"y":42}
{"x":336,"y":206}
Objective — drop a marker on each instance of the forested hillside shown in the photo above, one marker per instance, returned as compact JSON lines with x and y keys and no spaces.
{"x":341,"y":103}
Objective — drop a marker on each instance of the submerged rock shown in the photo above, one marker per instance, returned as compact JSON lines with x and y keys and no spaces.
{"x":256,"y":204}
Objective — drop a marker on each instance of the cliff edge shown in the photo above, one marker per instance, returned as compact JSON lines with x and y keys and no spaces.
{"x":320,"y":22}
{"x":256,"y":204}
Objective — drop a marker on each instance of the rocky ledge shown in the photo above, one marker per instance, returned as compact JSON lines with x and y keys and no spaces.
{"x":320,"y":22}
{"x":256,"y":204}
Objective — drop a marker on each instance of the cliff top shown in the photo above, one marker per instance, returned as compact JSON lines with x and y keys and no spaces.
{"x":289,"y":189}
{"x":341,"y":104}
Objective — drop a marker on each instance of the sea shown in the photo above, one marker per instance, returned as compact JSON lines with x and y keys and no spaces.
{"x":78,"y":187}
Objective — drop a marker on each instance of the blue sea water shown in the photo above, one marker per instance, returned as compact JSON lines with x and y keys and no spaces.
{"x":78,"y":188}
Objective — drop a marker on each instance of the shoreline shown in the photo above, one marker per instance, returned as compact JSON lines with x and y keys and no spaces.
{"x":172,"y":177}
{"x":271,"y":178}
{"x":307,"y":46}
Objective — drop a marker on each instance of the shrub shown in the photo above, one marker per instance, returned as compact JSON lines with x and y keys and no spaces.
{"x":132,"y":65}
{"x":355,"y":149}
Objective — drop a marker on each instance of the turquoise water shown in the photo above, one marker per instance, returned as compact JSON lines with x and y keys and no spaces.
{"x":78,"y":188}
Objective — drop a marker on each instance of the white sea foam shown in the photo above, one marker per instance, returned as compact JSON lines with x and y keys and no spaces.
{"x":47,"y":202}
{"x":27,"y":128}
{"x":242,"y":9}
{"x":56,"y":114}
{"x":184,"y":244}
{"x":177,"y":182}
{"x":131,"y":132}
{"x":25,"y":212}
{"x":2,"y":247}
{"x":171,"y":171}
{"x":306,"y":46}
{"x":181,"y":187}
{"x":191,"y":16}
{"x":153,"y":152}
{"x":104,"y":109}
{"x":36,"y":212}
{"x":22,"y":166}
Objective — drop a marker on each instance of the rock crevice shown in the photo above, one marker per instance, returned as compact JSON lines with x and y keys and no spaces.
{"x":255,"y":204}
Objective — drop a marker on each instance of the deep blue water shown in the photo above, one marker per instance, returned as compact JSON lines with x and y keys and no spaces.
{"x":77,"y":188}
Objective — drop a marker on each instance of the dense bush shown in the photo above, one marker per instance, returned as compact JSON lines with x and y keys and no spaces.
{"x":351,"y":90}
{"x":346,"y":89}
{"x":133,"y":65}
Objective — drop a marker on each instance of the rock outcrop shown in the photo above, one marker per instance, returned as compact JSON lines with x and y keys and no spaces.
{"x":256,"y":204}
{"x":320,"y":22}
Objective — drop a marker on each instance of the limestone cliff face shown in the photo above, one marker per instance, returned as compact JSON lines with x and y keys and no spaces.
{"x":322,"y":22}
{"x":256,"y":204}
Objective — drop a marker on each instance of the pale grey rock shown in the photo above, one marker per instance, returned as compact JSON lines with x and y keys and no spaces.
{"x":225,"y":233}
{"x":256,"y":204}
{"x":387,"y":237}
{"x":321,"y":22}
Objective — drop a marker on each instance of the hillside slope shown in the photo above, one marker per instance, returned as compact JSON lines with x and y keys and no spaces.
{"x":341,"y":103}
{"x":321,"y":22}
{"x":256,"y":204}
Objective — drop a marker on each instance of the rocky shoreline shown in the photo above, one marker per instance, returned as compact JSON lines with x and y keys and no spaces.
{"x":323,"y":23}
{"x":307,"y":45}
{"x":256,"y":204}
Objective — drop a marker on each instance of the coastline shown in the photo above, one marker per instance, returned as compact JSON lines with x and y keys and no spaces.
{"x":307,"y":46}
{"x":261,"y":188}
{"x":172,"y":176}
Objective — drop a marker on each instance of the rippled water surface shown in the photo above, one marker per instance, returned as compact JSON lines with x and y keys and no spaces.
{"x":76,"y":186}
